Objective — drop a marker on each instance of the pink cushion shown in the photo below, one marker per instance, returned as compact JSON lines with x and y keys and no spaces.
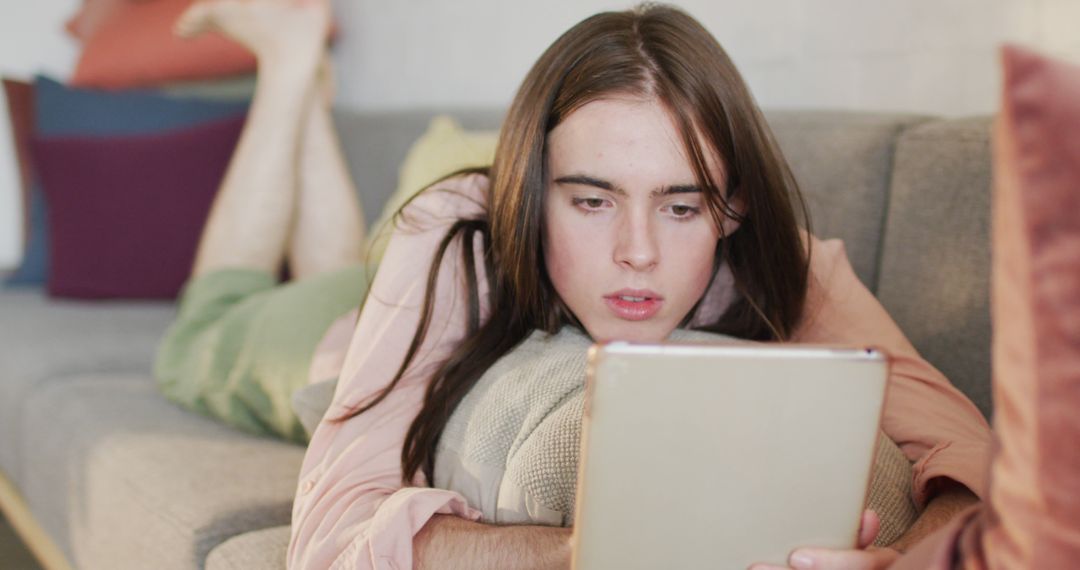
{"x":125,"y":213}
{"x":1036,"y":310}
{"x":1032,"y":517}
{"x":131,"y":44}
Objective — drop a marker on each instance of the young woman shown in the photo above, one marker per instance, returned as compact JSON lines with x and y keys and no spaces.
{"x":635,"y":190}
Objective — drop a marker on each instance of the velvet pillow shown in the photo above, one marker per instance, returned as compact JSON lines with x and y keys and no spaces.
{"x":1036,"y":311}
{"x":125,"y":213}
{"x":59,"y":110}
{"x":133,"y":46}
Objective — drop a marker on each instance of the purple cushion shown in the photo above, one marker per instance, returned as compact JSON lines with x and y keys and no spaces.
{"x":53,"y":109}
{"x":126,"y":212}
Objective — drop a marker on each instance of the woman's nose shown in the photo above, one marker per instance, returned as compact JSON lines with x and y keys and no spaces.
{"x":635,"y":243}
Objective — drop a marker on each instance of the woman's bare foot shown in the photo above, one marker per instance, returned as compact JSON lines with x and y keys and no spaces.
{"x":271,"y":29}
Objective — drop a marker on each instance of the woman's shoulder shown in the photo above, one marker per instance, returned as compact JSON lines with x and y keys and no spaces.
{"x":830,"y":270}
{"x":825,"y":255}
{"x":835,"y":297}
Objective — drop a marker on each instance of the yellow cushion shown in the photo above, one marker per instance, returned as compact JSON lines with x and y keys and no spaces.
{"x":443,"y":149}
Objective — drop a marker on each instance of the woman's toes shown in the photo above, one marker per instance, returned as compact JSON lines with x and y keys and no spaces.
{"x":262,"y":26}
{"x":193,"y":21}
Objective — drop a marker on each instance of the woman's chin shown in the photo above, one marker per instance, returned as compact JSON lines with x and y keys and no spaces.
{"x":641,"y":332}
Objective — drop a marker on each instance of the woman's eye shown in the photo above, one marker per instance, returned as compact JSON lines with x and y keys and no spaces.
{"x":683,"y":211}
{"x":590,"y":203}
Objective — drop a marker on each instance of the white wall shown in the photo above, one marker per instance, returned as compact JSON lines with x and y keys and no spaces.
{"x":933,"y":56}
{"x":31,"y":40}
{"x":930,"y":56}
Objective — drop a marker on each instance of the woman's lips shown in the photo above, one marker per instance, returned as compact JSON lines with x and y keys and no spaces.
{"x":634,"y":305}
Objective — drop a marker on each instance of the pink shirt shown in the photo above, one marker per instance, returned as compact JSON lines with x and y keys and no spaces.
{"x":351,"y":509}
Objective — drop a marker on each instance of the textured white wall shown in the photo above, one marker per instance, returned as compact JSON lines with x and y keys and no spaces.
{"x":930,"y":56}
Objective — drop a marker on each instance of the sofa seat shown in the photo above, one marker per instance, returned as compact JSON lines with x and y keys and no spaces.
{"x":265,"y":548}
{"x":125,"y":479}
{"x":43,"y":338}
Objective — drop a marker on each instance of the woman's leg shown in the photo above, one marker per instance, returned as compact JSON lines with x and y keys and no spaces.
{"x":329,"y":227}
{"x":253,"y":214}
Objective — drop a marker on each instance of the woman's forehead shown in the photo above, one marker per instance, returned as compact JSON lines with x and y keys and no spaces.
{"x":625,"y":136}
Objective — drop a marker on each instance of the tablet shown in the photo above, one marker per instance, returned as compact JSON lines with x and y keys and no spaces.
{"x":719,"y":456}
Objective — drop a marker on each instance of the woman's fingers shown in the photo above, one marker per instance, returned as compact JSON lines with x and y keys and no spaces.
{"x":869,"y":528}
{"x":865,"y":557}
{"x":823,"y":559}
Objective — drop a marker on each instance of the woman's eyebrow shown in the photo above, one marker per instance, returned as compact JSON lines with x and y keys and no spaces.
{"x":585,"y":180}
{"x":679,"y":189}
{"x":589,"y":181}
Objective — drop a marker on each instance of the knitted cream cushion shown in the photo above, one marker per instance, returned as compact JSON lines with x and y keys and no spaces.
{"x":511,"y":447}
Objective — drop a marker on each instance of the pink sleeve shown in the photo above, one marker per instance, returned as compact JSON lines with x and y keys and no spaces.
{"x":935,"y":425}
{"x":351,"y":509}
{"x":329,"y":357}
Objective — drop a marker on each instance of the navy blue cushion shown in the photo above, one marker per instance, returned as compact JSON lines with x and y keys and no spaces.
{"x":63,"y":111}
{"x":34,"y":268}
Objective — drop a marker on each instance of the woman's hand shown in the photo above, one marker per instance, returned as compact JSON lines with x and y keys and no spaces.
{"x":865,"y":557}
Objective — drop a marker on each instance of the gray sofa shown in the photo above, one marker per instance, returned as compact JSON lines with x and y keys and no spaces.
{"x":100,"y":472}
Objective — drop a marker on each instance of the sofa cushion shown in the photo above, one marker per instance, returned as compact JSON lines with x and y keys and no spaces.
{"x":935,"y":261}
{"x":375,"y":145}
{"x":43,"y":338}
{"x":444,"y":148}
{"x":124,"y":479}
{"x":263,"y":549}
{"x":132,"y":45}
{"x":1032,"y":522}
{"x":125,"y":213}
{"x":64,"y":111}
{"x":843,"y":162}
{"x":847,"y":198}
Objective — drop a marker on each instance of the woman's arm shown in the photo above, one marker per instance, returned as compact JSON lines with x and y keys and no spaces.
{"x":935,"y":425}
{"x":932,"y":422}
{"x":351,"y":508}
{"x":938,"y":512}
{"x":449,"y":543}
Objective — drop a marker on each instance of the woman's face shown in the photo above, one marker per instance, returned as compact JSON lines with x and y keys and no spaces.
{"x":628,"y":240}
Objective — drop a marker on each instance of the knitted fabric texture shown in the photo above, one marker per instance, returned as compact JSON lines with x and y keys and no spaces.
{"x":511,"y":447}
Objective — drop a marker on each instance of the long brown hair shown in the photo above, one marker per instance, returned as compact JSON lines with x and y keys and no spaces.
{"x":653,"y":51}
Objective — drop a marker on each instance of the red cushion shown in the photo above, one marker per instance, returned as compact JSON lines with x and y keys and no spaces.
{"x":133,"y":46}
{"x":20,"y":100}
{"x":126,"y":213}
{"x":91,"y":14}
